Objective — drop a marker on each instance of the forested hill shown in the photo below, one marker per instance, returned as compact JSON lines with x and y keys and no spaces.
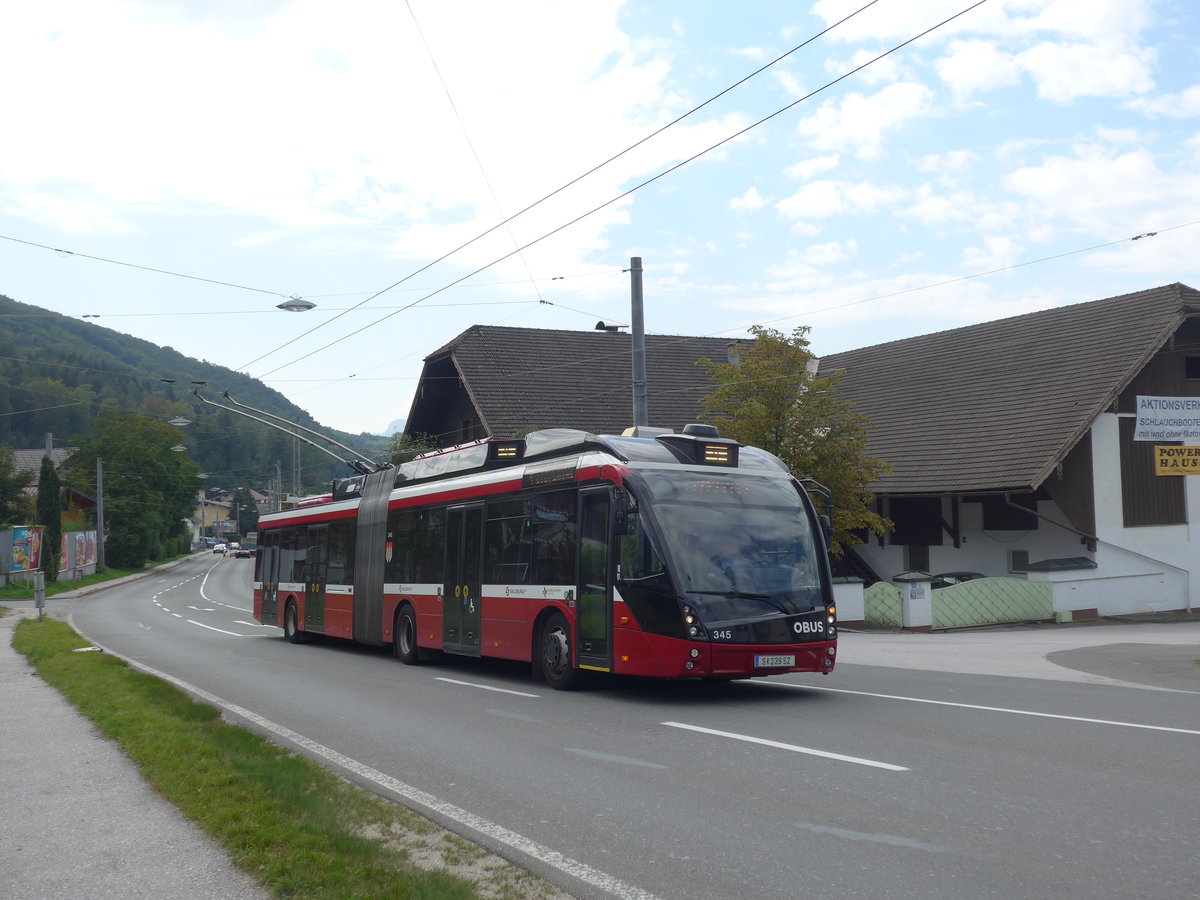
{"x":56,"y":373}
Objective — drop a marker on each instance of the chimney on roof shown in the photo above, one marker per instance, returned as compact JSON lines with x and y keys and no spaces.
{"x":611,"y":328}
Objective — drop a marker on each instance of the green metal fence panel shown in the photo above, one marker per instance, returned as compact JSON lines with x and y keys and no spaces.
{"x":992,"y":601}
{"x":881,"y":607}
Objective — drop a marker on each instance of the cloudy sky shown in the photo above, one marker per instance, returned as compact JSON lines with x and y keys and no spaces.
{"x":203,"y":160}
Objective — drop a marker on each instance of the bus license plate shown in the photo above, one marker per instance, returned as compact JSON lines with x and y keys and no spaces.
{"x":774,"y":662}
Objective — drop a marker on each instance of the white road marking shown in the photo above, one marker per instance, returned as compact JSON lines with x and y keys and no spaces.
{"x":609,"y":884}
{"x":210,"y":599}
{"x":487,"y":687}
{"x":1000,"y":709}
{"x":221,"y":630}
{"x":623,"y":760}
{"x":892,"y":840}
{"x":792,"y":747}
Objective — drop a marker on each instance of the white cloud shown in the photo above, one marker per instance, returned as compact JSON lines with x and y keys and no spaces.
{"x":1108,"y":193}
{"x":829,"y":253}
{"x":1082,"y":19}
{"x":1182,"y":105}
{"x":1119,"y":135}
{"x":823,"y":199}
{"x":751,"y":201}
{"x":1066,"y":72}
{"x":996,"y":253}
{"x":809,"y":168}
{"x":972,"y":66}
{"x":934,"y":209}
{"x":861,"y":123}
{"x":950,"y":167}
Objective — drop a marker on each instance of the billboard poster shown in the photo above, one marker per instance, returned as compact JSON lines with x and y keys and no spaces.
{"x":26,"y":548}
{"x":1167,"y":419}
{"x":1176,"y":460}
{"x":78,"y":549}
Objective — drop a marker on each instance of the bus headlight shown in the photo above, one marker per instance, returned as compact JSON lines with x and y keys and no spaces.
{"x":691,"y":622}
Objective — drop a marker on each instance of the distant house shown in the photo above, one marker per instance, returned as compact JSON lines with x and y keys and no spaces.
{"x":1014,"y":453}
{"x":77,"y":509}
{"x":494,"y":381}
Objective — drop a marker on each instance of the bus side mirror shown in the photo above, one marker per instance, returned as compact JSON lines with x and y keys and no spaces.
{"x":827,"y":530}
{"x":620,"y":511}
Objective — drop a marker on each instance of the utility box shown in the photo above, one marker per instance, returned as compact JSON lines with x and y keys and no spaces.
{"x":916,"y":600}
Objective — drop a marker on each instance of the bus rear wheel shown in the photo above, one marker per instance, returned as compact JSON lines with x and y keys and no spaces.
{"x":291,"y":629}
{"x":404,"y":644}
{"x":555,"y":656}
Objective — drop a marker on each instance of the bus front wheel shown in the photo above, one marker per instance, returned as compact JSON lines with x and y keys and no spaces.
{"x":291,"y":629}
{"x":404,"y":645}
{"x":555,"y":655}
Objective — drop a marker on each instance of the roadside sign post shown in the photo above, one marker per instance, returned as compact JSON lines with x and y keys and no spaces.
{"x":39,"y":591}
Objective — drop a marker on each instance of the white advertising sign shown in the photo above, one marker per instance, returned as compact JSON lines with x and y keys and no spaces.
{"x":1167,"y":419}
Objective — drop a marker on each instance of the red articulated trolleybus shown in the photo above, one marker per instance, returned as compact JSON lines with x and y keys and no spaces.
{"x":671,"y":555}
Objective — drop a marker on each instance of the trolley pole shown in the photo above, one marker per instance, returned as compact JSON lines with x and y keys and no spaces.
{"x":640,"y":414}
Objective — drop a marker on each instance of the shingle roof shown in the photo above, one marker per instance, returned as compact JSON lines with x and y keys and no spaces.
{"x":997,"y":406}
{"x":523,"y":377}
{"x":31,"y":460}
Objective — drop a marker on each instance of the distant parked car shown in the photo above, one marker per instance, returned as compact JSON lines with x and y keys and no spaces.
{"x":949,"y":579}
{"x":219,"y":548}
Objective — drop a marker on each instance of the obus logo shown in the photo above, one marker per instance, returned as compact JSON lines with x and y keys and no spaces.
{"x":806,"y":627}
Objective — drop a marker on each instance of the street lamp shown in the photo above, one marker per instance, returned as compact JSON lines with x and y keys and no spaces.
{"x":296,"y":304}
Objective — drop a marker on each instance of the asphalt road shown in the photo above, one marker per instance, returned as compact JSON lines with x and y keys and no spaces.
{"x":881,"y":780}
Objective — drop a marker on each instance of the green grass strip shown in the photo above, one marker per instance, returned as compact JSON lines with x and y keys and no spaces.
{"x":296,"y":827}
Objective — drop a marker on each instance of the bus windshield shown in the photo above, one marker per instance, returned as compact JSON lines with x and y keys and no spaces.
{"x":740,"y":547}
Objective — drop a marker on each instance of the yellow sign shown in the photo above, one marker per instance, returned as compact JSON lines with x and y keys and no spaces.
{"x":1176,"y":460}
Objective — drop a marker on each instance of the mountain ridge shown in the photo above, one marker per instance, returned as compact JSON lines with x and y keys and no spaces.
{"x":56,"y":372}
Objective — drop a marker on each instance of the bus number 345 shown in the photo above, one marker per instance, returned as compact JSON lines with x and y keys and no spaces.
{"x":722,"y":634}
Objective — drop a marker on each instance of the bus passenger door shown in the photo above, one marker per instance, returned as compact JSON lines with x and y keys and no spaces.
{"x":463,"y":579}
{"x":316,"y":561}
{"x":594,"y":630}
{"x":267,"y":574}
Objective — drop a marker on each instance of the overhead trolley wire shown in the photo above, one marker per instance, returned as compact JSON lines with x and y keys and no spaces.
{"x":559,"y":190}
{"x":117,"y":262}
{"x":607,"y":203}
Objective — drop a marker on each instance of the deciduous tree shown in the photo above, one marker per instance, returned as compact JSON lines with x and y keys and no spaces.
{"x":148,"y":490}
{"x":770,"y":397}
{"x":16,"y":507}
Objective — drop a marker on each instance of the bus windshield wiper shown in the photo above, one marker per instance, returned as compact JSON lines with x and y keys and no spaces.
{"x":746,"y":595}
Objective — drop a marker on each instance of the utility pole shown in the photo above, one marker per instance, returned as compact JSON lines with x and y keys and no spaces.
{"x":640,"y":414}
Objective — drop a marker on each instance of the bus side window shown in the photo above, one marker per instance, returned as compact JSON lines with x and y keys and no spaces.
{"x":429,"y":545}
{"x":291,"y":554}
{"x":638,"y":557}
{"x":504,"y":538}
{"x":341,"y":554}
{"x":554,"y":537}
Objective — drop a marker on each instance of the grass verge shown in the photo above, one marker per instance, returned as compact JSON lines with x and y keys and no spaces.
{"x":296,"y":827}
{"x":23,"y":590}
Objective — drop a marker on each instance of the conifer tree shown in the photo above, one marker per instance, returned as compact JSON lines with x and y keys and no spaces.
{"x":49,"y":516}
